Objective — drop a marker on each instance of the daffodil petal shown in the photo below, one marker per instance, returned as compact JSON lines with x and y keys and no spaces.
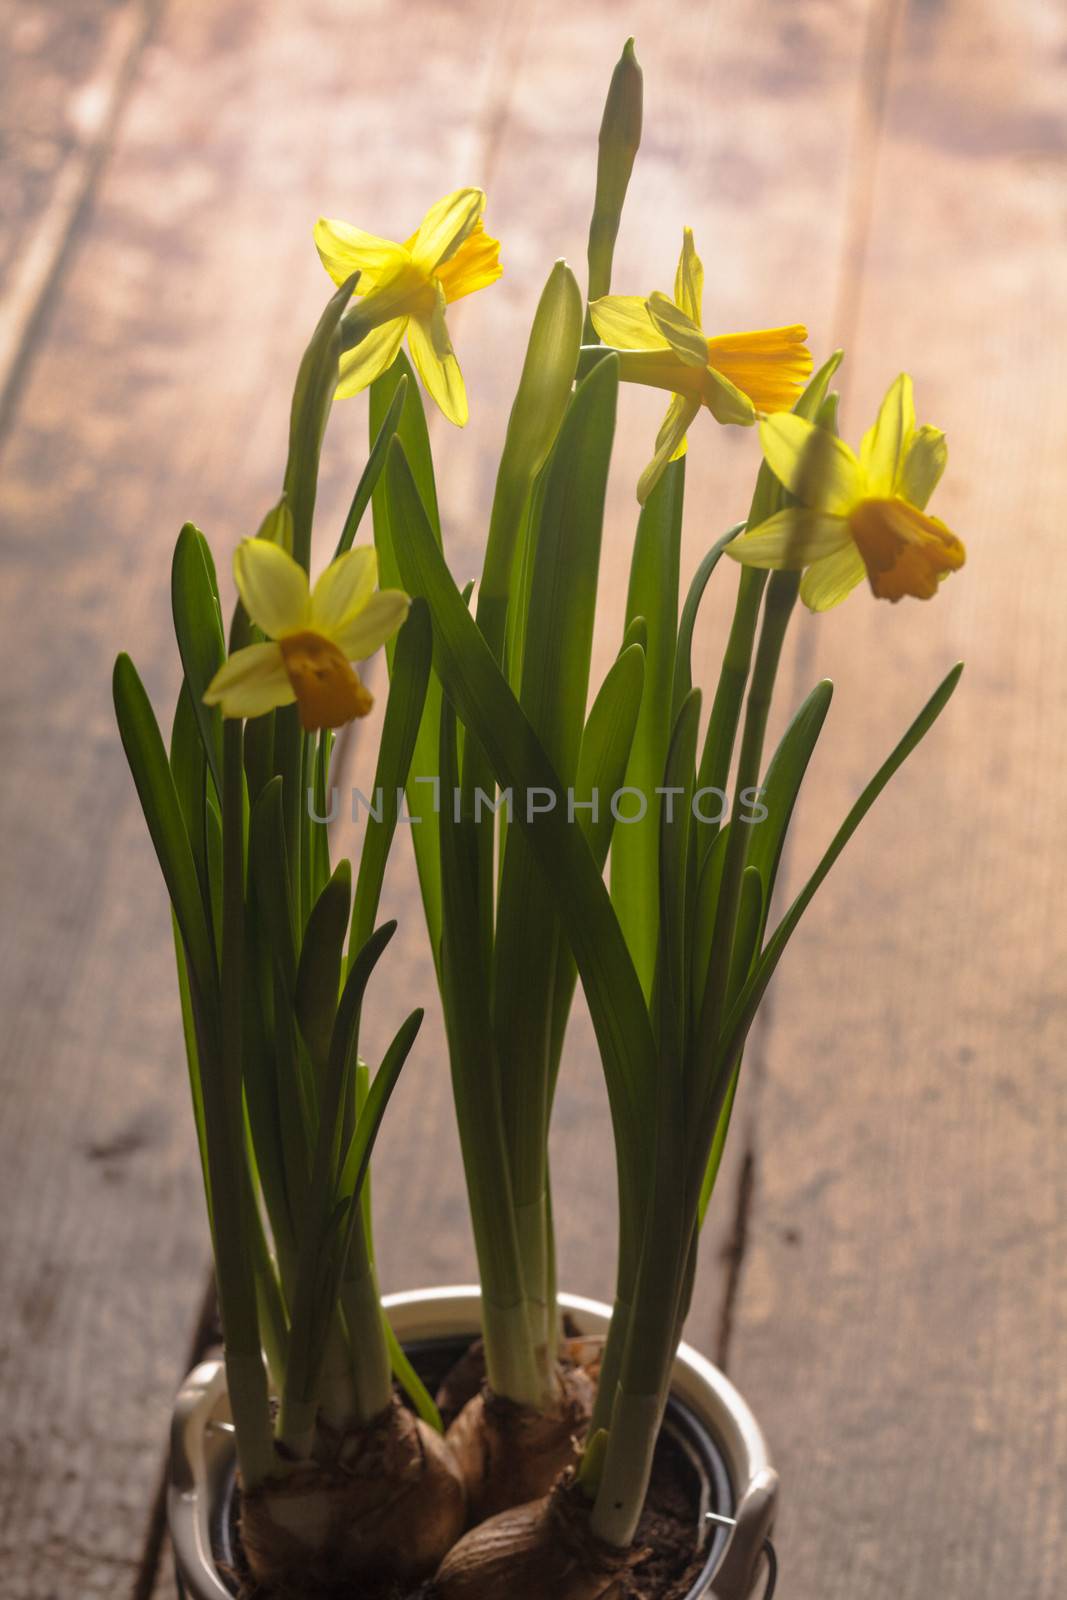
{"x":680,"y":331}
{"x":343,"y":589}
{"x":726,"y":402}
{"x":373,"y":355}
{"x":344,"y":250}
{"x":924,"y":462}
{"x":366,"y":631}
{"x":445,"y":226}
{"x":272,"y":586}
{"x":883,"y":449}
{"x":812,"y":463}
{"x":790,"y":540}
{"x":622,"y":320}
{"x":431,"y":351}
{"x":251,"y":682}
{"x":832,"y":579}
{"x":475,"y":265}
{"x":670,"y":443}
{"x":770,"y":365}
{"x":689,"y":279}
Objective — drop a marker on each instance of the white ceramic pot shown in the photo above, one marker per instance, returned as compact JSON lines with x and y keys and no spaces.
{"x":726,"y":1436}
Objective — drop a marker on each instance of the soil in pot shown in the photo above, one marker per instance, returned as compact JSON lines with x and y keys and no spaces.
{"x":689,"y":1478}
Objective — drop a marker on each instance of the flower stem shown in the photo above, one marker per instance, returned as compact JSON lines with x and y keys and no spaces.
{"x":230,"y":1189}
{"x":360,"y":1300}
{"x":781,"y":599}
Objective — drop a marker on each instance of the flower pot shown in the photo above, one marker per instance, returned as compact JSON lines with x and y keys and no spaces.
{"x":706,"y":1417}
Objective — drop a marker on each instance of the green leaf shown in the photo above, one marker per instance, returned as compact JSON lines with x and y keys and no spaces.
{"x":718,"y":1145}
{"x":313,"y":395}
{"x":636,"y":633}
{"x":465,"y":994}
{"x":188,"y":766}
{"x":192,"y":1058}
{"x":318,"y":832}
{"x":263,"y":1089}
{"x":344,"y":1045}
{"x":709,"y":883}
{"x":270,"y":883}
{"x":213,"y":841}
{"x":412,"y":433}
{"x":606,"y":744}
{"x":537,"y":413}
{"x":566,"y":561}
{"x":373,"y":470}
{"x":357,"y":1157}
{"x":747,"y":928}
{"x":671,"y":926}
{"x":566,"y":558}
{"x":198,"y":629}
{"x":318,"y":975}
{"x":152,"y":778}
{"x":400,"y":728}
{"x":781,"y":787}
{"x":409,"y":1380}
{"x":322,"y":1244}
{"x":653,"y":595}
{"x":277,"y":526}
{"x":259,"y":754}
{"x":272,"y":916}
{"x":481,"y":695}
{"x":683,"y":655}
{"x":747,"y":1003}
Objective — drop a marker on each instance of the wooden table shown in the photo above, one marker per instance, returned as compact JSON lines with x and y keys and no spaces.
{"x":885,"y":1271}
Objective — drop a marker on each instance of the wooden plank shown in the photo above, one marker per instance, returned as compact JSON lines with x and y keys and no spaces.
{"x":161,"y":393}
{"x":64,"y":73}
{"x":900,"y":1322}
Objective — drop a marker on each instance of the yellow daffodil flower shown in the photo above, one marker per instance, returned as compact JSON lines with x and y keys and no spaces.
{"x":404,"y":288}
{"x":857,"y":516}
{"x":662,"y":343}
{"x":314,"y":636}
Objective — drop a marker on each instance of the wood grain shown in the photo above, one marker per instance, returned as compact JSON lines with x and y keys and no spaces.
{"x":889,"y":170}
{"x":900,"y":1321}
{"x":65,"y":71}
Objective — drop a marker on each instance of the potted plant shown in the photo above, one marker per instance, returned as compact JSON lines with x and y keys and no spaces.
{"x":551,"y":1435}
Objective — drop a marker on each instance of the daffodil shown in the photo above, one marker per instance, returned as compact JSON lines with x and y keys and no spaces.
{"x":404,"y":288}
{"x":662,"y":342}
{"x":858,"y":516}
{"x":314,"y":635}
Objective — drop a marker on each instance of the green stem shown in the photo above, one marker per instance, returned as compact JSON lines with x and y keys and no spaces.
{"x":611,"y":1366}
{"x":730,"y":690}
{"x":230,"y":1189}
{"x":781,"y":598}
{"x":644,"y":1379}
{"x":361,"y":1302}
{"x":338,"y":1405}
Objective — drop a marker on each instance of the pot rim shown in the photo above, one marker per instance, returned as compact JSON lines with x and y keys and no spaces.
{"x":201,"y":1434}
